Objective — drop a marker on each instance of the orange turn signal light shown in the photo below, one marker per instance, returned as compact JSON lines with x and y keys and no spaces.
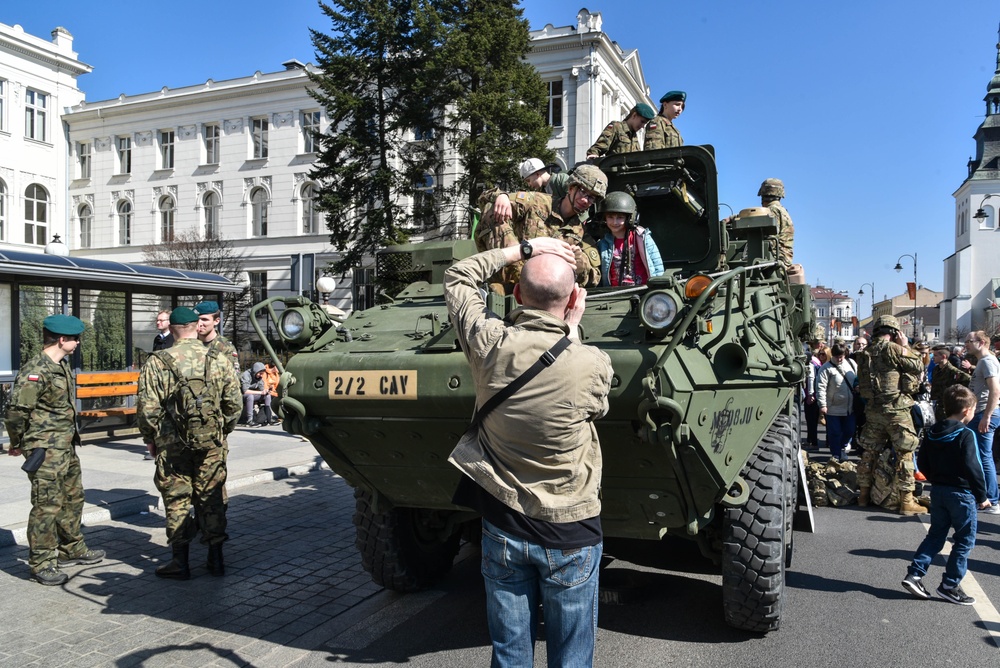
{"x":696,"y":285}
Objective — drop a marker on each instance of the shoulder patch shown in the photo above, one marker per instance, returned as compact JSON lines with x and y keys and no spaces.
{"x":610,"y":125}
{"x":593,"y":256}
{"x":34,"y":377}
{"x":521,"y":196}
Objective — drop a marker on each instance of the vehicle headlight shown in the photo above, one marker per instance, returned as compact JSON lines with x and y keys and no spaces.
{"x":292,"y":324}
{"x":658,"y":312}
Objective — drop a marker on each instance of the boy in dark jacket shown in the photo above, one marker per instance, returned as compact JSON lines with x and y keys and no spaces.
{"x":949,"y":458}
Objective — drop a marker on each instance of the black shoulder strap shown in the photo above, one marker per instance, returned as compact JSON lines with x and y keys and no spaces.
{"x":546,"y":360}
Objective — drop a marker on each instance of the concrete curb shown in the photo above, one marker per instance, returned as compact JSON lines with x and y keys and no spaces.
{"x":18,"y":535}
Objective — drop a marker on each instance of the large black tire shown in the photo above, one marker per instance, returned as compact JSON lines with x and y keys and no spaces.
{"x":786,"y":427}
{"x":403,"y":549}
{"x":756,"y":537}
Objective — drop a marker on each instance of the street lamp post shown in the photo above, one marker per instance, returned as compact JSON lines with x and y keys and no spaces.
{"x":861,"y":293}
{"x":980,"y":214}
{"x":899,"y":268}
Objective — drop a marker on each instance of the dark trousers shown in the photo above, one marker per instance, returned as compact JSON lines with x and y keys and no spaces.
{"x":812,"y":424}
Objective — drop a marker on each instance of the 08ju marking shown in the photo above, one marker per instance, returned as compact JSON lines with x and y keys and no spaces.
{"x":373,"y":385}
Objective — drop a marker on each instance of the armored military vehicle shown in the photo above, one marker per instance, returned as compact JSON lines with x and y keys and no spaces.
{"x":701,"y":438}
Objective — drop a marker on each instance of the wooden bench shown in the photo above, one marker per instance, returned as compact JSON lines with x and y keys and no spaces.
{"x":107,"y":384}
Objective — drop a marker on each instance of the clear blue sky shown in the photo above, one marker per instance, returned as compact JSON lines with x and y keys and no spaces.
{"x":865,"y":109}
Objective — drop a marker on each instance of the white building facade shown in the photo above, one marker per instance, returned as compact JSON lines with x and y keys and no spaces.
{"x":972,"y":273}
{"x":38,"y":79}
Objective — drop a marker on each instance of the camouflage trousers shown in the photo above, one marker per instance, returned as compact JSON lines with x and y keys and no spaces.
{"x":56,"y":508}
{"x":888,"y":429}
{"x":187,"y":477}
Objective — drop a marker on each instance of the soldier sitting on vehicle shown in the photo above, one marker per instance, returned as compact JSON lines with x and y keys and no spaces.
{"x":511,"y":220}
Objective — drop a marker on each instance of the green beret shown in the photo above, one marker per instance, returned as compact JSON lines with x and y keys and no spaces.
{"x":63,"y":325}
{"x":673,"y":96}
{"x":207,"y":308}
{"x":182,"y":315}
{"x":645,"y":111}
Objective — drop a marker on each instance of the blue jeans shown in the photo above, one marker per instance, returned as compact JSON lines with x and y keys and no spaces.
{"x":985,"y":444}
{"x":951,"y":507}
{"x":839,"y":430}
{"x":519,"y":575}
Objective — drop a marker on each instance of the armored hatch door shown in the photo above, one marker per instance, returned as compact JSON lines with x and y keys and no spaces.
{"x":676,"y":194}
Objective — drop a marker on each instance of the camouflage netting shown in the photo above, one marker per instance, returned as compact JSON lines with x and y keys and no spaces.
{"x":832,"y":483}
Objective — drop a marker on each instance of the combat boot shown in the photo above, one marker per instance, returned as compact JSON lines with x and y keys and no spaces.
{"x":215,"y":564}
{"x":909,"y":506}
{"x":864,"y":496}
{"x":176,"y":568}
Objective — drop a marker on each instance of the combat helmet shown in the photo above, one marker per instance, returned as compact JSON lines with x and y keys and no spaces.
{"x":618,"y":202}
{"x":772,"y":188}
{"x":885,"y":322}
{"x":589,"y":178}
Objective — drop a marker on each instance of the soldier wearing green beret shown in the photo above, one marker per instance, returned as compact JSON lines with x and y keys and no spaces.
{"x":192,"y":472}
{"x":209,"y":317}
{"x":41,"y":423}
{"x":622,"y":136}
{"x":661,"y":131}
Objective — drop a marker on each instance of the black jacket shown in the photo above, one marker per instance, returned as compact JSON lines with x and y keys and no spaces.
{"x":949,"y":456}
{"x":162,"y":343}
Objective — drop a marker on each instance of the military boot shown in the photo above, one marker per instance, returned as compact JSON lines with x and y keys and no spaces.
{"x":215,"y":564}
{"x":864,"y":496}
{"x":909,"y":506}
{"x":176,"y":568}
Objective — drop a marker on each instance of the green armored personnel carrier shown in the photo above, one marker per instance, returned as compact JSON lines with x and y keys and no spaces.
{"x":701,"y":437}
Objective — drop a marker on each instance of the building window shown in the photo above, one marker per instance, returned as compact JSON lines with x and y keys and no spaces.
{"x":167,"y":149}
{"x":35,"y":104}
{"x":259,"y":130}
{"x":3,"y":211}
{"x":3,"y":104}
{"x":840,"y":312}
{"x":310,"y":216}
{"x":310,"y":126}
{"x":124,"y":155}
{"x":86,"y":226}
{"x":212,"y":144}
{"x":258,"y":204}
{"x":212,"y":206}
{"x":167,"y":210}
{"x":258,"y":286}
{"x":83,"y":158}
{"x":36,"y":215}
{"x":423,"y":203}
{"x":554,"y":101}
{"x":124,"y":223}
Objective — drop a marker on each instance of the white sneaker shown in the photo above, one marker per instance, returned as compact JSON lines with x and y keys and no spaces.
{"x":992,"y":510}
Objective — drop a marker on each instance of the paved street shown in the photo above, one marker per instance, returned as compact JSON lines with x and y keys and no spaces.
{"x":295,"y":595}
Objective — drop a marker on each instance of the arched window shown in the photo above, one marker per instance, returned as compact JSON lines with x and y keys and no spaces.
{"x":124,"y":223}
{"x":259,"y":204}
{"x":310,"y":216}
{"x":36,"y":215}
{"x":3,"y":207}
{"x":167,"y":209}
{"x":86,"y":226}
{"x":424,"y":214}
{"x":212,"y":206}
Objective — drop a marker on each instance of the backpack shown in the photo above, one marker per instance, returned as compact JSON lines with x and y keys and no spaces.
{"x":192,"y":406}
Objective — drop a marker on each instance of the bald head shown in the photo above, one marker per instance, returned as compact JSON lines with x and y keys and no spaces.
{"x":547,"y":281}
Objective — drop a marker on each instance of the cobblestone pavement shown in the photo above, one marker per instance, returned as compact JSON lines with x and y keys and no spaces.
{"x":291,"y":573}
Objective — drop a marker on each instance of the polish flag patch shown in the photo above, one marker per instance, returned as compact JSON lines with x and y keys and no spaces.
{"x":34,"y":377}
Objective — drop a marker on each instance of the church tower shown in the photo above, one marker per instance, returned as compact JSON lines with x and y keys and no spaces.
{"x":971,"y":273}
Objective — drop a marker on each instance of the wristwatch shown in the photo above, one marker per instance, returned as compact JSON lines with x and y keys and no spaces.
{"x":526,"y":249}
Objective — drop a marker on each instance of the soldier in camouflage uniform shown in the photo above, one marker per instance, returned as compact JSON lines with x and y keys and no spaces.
{"x":661,"y":131}
{"x":185,"y":475}
{"x":771,"y":192}
{"x":535,"y":215}
{"x":943,"y":377}
{"x":41,"y":421}
{"x":622,"y":136}
{"x":209,"y":317}
{"x":893,"y":374}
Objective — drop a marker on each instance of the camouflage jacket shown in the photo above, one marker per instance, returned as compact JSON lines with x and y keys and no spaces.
{"x":786,"y":231}
{"x":661,"y":133}
{"x":156,"y":383}
{"x":42,"y":411}
{"x":944,"y":376}
{"x":537,"y":215}
{"x":864,"y":374}
{"x":616,"y":138}
{"x":892,"y":370}
{"x":226,"y":350}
